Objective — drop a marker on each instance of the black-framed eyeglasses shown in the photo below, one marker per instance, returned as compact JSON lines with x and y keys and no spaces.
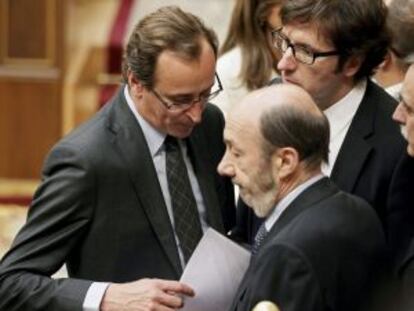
{"x":300,"y":53}
{"x":184,"y":103}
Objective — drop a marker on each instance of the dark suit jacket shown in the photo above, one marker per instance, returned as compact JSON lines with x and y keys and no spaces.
{"x":372,"y":163}
{"x":314,"y":257}
{"x":101,"y":211}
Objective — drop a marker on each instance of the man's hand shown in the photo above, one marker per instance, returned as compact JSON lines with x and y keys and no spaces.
{"x":145,"y":295}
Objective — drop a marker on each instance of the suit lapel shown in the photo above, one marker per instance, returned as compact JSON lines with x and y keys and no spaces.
{"x":131,"y":143}
{"x":307,"y":199}
{"x":202,"y":170}
{"x":317,"y":192}
{"x":356,"y":146}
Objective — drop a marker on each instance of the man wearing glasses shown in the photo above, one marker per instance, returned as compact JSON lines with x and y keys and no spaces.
{"x":126,"y":197}
{"x":330,"y":48}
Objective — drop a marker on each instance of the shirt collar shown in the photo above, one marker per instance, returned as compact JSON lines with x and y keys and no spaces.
{"x":285,"y":202}
{"x":155,"y":138}
{"x":395,"y":90}
{"x":342,"y":112}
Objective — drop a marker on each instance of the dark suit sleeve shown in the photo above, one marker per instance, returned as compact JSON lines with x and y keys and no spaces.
{"x":401,"y":209}
{"x":57,"y":220}
{"x":229,"y":210}
{"x":213,"y":134}
{"x":284,"y":276}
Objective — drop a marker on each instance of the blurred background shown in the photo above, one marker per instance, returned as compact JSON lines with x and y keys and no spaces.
{"x":59,"y":63}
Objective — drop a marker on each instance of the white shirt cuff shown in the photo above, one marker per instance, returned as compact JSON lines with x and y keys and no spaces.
{"x":94,"y":296}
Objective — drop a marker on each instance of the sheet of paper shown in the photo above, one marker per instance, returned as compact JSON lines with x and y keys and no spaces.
{"x":214,"y":271}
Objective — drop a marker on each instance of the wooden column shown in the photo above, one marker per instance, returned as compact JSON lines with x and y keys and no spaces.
{"x":31,"y":71}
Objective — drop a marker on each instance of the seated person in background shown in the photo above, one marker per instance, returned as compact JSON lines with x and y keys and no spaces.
{"x":319,"y":248}
{"x":247,"y":60}
{"x":390,"y":73}
{"x":125,"y":197}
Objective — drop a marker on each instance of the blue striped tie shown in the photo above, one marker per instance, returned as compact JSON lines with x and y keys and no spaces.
{"x":258,"y":239}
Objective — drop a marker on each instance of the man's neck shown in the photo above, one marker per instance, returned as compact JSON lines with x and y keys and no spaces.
{"x":301,"y":176}
{"x":341,"y":92}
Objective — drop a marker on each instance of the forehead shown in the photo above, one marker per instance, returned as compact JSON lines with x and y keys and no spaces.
{"x":176,"y":73}
{"x":241,"y":129}
{"x":308,"y":34}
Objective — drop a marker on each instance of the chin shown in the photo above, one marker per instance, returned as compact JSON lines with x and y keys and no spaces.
{"x":262,"y":211}
{"x":181,"y":134}
{"x":261,"y":206}
{"x":404,"y":132}
{"x":264,"y":203}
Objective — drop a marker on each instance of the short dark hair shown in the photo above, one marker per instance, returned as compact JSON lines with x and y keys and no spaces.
{"x":290,"y":126}
{"x":354,"y":27}
{"x":401,"y":25}
{"x":168,"y":28}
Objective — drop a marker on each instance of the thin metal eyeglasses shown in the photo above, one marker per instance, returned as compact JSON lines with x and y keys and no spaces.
{"x":300,"y":53}
{"x":180,"y":105}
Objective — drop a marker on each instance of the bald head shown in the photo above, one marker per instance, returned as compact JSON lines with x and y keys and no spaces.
{"x":276,"y":138}
{"x":256,"y":103}
{"x":285,"y":116}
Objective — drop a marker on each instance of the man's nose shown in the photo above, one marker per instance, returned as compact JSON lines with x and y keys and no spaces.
{"x":224,"y":168}
{"x":399,"y":114}
{"x":195,"y":112}
{"x":287,"y":61}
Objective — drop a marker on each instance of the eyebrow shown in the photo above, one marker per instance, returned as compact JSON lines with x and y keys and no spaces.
{"x":301,"y":44}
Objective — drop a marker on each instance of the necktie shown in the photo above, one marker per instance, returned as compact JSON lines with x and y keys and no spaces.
{"x":258,"y":239}
{"x":186,"y":218}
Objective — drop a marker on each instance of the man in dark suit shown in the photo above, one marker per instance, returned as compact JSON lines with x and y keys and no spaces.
{"x":401,"y":23}
{"x":116,"y":191}
{"x":322,"y":53}
{"x":308,"y":254}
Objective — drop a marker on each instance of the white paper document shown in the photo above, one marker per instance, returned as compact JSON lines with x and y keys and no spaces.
{"x":214,"y":271}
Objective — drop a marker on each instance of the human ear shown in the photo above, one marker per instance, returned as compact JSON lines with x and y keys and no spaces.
{"x":284,"y":162}
{"x":352,"y":65}
{"x":135,"y":85}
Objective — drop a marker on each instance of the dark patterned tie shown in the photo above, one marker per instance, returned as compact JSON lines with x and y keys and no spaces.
{"x":258,"y":239}
{"x":186,"y":217}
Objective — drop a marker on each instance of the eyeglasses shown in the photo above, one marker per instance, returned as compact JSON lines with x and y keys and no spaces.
{"x":300,"y":53}
{"x":184,"y":103}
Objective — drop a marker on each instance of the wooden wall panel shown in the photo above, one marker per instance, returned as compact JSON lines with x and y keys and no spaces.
{"x":28,"y":32}
{"x":30,"y":124}
{"x":28,"y":39}
{"x":31,"y":71}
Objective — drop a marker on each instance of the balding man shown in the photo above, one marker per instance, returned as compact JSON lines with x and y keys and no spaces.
{"x":308,"y":254}
{"x":401,"y":24}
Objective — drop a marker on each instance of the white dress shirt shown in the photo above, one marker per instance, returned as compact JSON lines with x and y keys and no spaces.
{"x":155,"y":140}
{"x":340,"y":116}
{"x":395,"y":90}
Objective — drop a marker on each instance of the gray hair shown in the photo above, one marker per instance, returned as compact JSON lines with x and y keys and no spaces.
{"x":290,"y":126}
